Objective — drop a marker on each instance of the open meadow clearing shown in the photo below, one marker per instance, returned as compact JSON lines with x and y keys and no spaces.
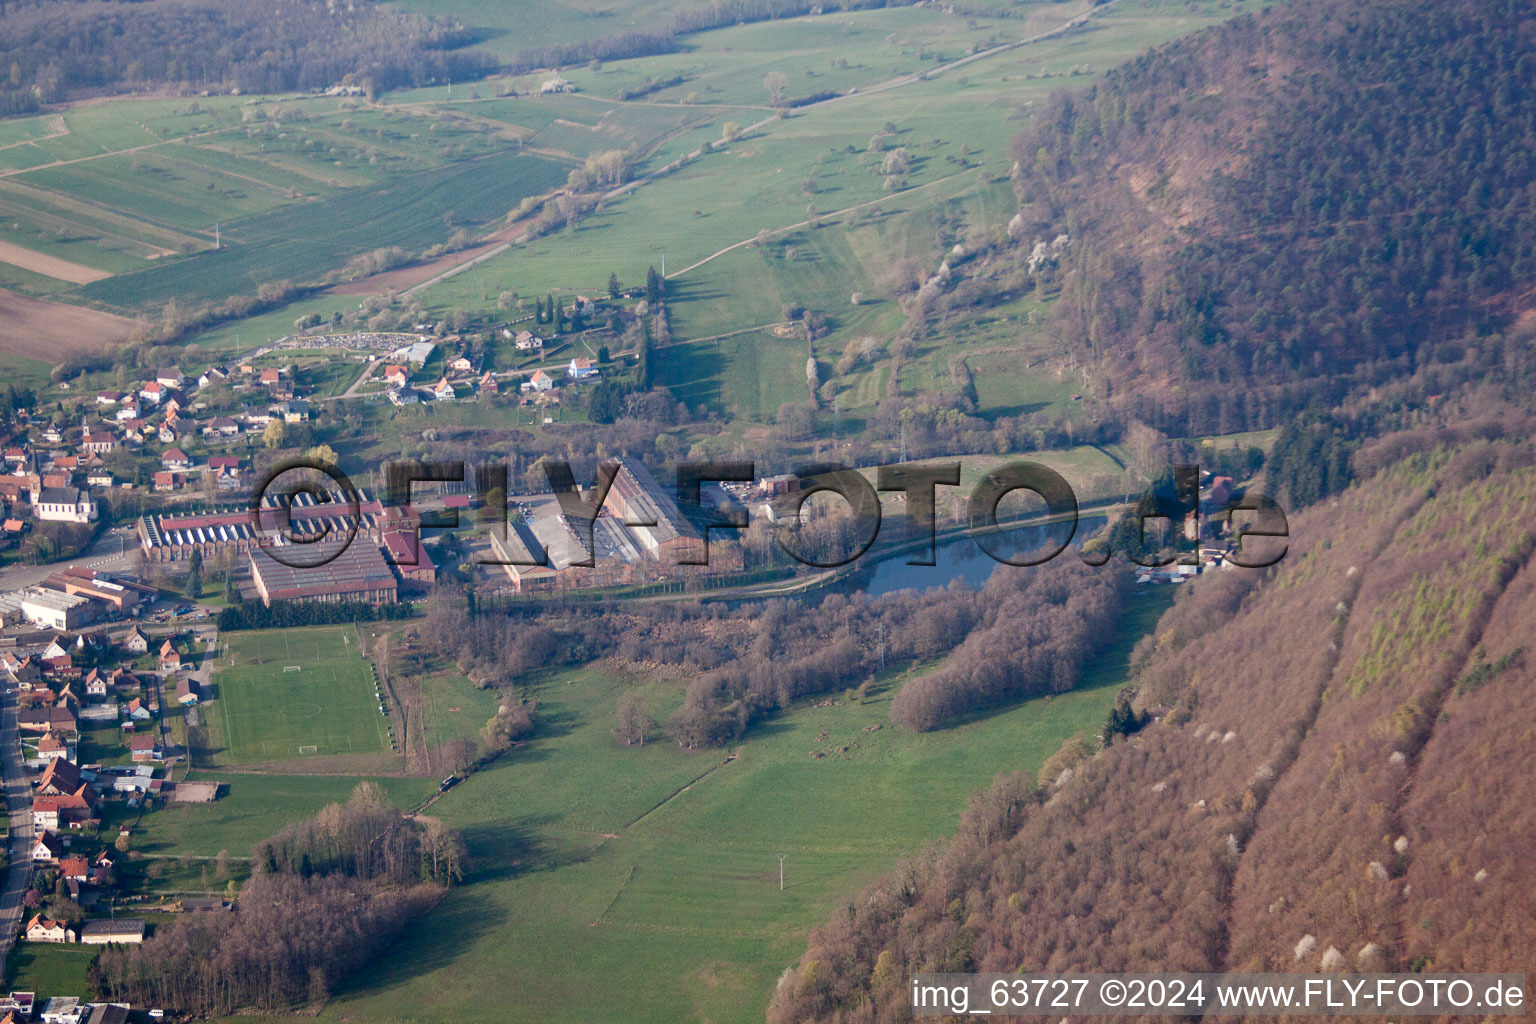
{"x":658,"y":869}
{"x":289,"y":694}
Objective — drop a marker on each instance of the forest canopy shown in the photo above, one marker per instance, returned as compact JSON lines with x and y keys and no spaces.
{"x":1299,"y":195}
{"x":49,"y":51}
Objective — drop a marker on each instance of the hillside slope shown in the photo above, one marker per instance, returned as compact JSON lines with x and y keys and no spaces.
{"x":1300,"y":202}
{"x":1352,"y":801}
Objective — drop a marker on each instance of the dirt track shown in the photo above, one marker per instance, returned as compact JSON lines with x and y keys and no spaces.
{"x":52,"y":331}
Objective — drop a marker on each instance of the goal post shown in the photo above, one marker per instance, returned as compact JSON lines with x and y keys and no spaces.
{"x":293,"y":668}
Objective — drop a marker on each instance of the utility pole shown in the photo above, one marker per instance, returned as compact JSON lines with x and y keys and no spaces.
{"x":781,"y":872}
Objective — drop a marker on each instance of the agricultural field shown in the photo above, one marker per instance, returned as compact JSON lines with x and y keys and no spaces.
{"x":289,"y":694}
{"x":660,"y":867}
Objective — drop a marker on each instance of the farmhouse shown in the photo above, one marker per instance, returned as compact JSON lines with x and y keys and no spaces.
{"x":59,"y":778}
{"x":527,"y":341}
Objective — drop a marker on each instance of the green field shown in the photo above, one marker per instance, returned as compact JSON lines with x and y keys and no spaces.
{"x":285,"y":244}
{"x":251,"y":807}
{"x":48,"y":970}
{"x":657,"y":870}
{"x":262,"y":713}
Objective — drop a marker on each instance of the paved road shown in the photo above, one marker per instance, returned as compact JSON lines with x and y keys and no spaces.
{"x":19,"y":808}
{"x":114,"y":549}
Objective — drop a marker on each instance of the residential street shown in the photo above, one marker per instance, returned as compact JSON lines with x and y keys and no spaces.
{"x":19,"y":807}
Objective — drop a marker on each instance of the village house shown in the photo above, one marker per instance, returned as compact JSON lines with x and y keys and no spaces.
{"x":487,"y":384}
{"x":538,"y":381}
{"x":170,"y":657}
{"x":527,"y":341}
{"x":580,"y":368}
{"x":154,"y":392}
{"x":46,"y":849}
{"x":136,"y":642}
{"x":143,"y":747}
{"x":44,"y":929}
{"x":461,"y":364}
{"x":443,"y":391}
{"x":186,"y":690}
{"x":170,"y":377}
{"x":175,"y":458}
{"x":108,"y":397}
{"x":396,"y":376}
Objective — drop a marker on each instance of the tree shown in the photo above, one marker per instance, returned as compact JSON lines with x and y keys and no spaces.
{"x":273,"y":435}
{"x":194,"y":588}
{"x":323,"y":454}
{"x":634,"y":721}
{"x":730,"y":131}
{"x":775,"y":82}
{"x":122,"y":843}
{"x":603,"y":355}
{"x":655,"y":287}
{"x":613,"y":286}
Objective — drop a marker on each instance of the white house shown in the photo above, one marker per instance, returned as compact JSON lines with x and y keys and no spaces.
{"x":580,"y":368}
{"x":527,"y":341}
{"x":539,"y":381}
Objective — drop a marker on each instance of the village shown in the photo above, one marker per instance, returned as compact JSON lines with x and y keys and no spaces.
{"x":87,"y":750}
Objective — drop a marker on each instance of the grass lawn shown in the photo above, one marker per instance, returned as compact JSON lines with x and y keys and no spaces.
{"x":263,"y":712}
{"x":251,"y":807}
{"x":659,"y":868}
{"x":49,"y":970}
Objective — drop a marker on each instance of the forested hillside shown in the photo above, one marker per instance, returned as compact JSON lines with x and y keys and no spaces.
{"x":50,"y":50}
{"x":1294,"y":806}
{"x":1298,"y":203}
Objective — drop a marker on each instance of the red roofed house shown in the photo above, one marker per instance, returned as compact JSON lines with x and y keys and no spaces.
{"x":76,"y":868}
{"x":45,"y":929}
{"x":142,"y":747}
{"x":397,"y":376}
{"x":175,"y":458}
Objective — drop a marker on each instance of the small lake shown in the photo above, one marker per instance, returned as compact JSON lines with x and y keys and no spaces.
{"x":884,"y":571}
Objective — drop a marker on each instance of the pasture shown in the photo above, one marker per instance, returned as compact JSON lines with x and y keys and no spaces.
{"x":661,"y":866}
{"x":265,"y":710}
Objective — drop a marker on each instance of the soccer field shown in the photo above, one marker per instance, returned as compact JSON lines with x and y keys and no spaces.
{"x":290,"y":693}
